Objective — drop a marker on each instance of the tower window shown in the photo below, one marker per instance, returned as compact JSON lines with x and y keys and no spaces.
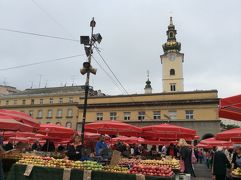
{"x":173,"y":87}
{"x":172,"y":72}
{"x":171,"y":35}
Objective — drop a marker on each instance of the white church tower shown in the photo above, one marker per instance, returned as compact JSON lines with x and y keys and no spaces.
{"x":172,"y":62}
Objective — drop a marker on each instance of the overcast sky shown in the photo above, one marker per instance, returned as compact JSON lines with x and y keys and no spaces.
{"x":133,"y":32}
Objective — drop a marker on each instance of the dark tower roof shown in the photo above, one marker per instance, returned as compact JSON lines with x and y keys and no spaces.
{"x":171,"y":45}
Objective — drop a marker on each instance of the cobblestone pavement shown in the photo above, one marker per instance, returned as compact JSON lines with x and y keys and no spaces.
{"x":202,"y":172}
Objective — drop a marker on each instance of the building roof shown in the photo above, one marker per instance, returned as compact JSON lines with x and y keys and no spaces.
{"x":52,"y":91}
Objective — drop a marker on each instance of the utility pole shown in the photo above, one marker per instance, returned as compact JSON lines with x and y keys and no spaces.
{"x":87,"y":68}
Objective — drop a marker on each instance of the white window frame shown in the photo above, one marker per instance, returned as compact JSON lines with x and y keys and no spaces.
{"x":141,"y":115}
{"x":99,"y":116}
{"x":51,"y":100}
{"x":41,"y":101}
{"x":59,"y":113}
{"x":156,"y":115}
{"x":173,"y":87}
{"x":68,"y":113}
{"x":40,"y":114}
{"x":127,"y":116}
{"x":189,"y":114}
{"x":61,"y":100}
{"x":113,"y":115}
{"x":50,"y":113}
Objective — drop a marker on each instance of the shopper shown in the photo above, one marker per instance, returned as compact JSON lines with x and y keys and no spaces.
{"x":172,"y":150}
{"x":186,"y":157}
{"x":220,"y":164}
{"x":236,"y":160}
{"x":1,"y":165}
{"x":75,"y":149}
{"x":100,"y":146}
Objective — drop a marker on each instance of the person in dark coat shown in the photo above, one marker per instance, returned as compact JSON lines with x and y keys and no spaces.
{"x":220,"y":164}
{"x":36,"y":146}
{"x":8,"y":146}
{"x":1,"y":165}
{"x":75,"y":149}
{"x":48,"y":146}
{"x":186,"y":156}
{"x":236,"y":160}
{"x":172,"y":150}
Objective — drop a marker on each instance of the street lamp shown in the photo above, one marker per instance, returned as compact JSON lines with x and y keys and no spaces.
{"x":88,"y":43}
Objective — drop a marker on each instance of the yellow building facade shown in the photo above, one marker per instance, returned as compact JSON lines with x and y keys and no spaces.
{"x":64,"y":105}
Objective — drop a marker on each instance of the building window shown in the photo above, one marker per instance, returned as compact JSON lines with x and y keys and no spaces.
{"x":59,"y":113}
{"x":30,"y":113}
{"x":69,"y":113}
{"x":41,"y":101}
{"x":141,"y":115}
{"x":60,"y":100}
{"x":15,"y":102}
{"x":172,"y":114}
{"x":24,"y":102}
{"x":171,"y":34}
{"x":51,"y":100}
{"x":99,"y":116}
{"x":127,"y":115}
{"x":172,"y":72}
{"x":113,"y":115}
{"x":7,"y":102}
{"x":32,"y":101}
{"x":40,"y":114}
{"x":189,"y":114}
{"x":173,"y":87}
{"x":50,"y":113}
{"x":156,"y":115}
{"x":70,"y":100}
{"x":69,"y":125}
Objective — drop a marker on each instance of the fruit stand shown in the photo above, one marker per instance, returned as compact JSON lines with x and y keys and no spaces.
{"x":51,"y":168}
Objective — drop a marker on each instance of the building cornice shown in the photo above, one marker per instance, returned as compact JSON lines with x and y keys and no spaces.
{"x":153,"y":103}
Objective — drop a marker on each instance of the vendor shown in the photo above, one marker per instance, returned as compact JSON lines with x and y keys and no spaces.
{"x":74,"y":150}
{"x":48,"y":146}
{"x":36,"y":146}
{"x":172,"y":150}
{"x":236,"y":161}
{"x":1,"y":165}
{"x":100,"y":146}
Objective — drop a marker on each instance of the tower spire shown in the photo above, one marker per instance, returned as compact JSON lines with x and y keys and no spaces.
{"x":171,"y":45}
{"x":171,"y":22}
{"x":148,"y":88}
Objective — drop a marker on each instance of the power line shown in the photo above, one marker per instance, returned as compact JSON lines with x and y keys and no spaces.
{"x":50,"y":16}
{"x":112,"y":72}
{"x":36,"y":34}
{"x":41,"y":62}
{"x":114,"y":82}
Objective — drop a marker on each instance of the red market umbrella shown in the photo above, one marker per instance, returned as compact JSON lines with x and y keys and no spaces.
{"x":152,"y":142}
{"x":214,"y":142}
{"x":168,"y":131}
{"x":232,"y":134}
{"x":21,"y":117}
{"x":230,"y":108}
{"x":113,"y":128}
{"x":56,"y":131}
{"x":128,"y":140}
{"x":7,"y":123}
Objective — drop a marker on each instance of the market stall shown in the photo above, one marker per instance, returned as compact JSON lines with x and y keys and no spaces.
{"x":58,"y":169}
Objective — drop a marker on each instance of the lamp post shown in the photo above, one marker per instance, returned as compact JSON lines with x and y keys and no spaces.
{"x":88,"y":43}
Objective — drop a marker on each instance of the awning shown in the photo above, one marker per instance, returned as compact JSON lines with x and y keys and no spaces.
{"x":230,"y":108}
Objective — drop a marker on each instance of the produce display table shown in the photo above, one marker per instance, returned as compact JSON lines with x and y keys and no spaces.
{"x":40,"y":173}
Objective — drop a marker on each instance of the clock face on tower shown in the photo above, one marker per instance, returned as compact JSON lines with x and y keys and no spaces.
{"x":172,"y":57}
